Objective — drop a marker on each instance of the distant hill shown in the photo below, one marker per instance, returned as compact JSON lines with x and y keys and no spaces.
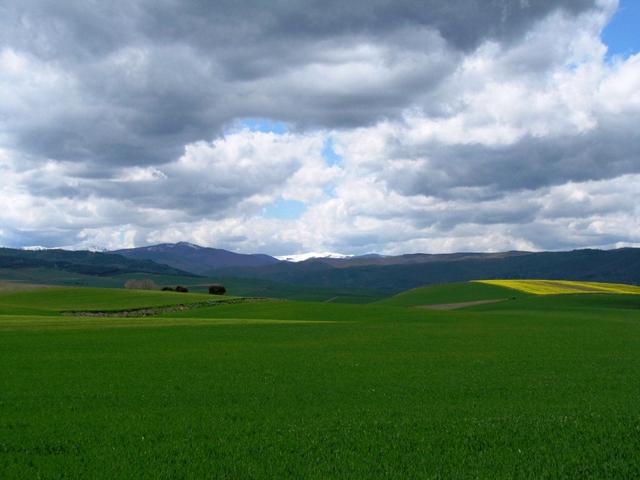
{"x":83,"y":262}
{"x":197,"y":259}
{"x":410,"y":258}
{"x":353,"y":277}
{"x":394,"y":274}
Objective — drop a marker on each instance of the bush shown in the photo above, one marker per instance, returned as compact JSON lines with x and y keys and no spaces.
{"x":182,"y":289}
{"x":217,"y":289}
{"x":167,"y":289}
{"x":141,"y":284}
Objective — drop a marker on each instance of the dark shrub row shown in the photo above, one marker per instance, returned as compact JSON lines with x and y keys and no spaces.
{"x":215,"y":289}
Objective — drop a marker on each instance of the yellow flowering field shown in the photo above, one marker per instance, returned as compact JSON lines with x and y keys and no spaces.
{"x":558,"y":287}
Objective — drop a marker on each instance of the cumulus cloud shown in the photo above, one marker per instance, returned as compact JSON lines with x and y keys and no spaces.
{"x":476,"y":126}
{"x":133,"y":82}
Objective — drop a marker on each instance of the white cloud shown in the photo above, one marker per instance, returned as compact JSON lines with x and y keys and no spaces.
{"x":516,"y":142}
{"x":142,"y":174}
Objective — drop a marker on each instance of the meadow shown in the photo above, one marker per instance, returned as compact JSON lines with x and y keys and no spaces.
{"x":532,"y":386}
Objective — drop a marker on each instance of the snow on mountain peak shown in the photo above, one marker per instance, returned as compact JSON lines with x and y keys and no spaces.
{"x":190,"y":245}
{"x":301,"y":257}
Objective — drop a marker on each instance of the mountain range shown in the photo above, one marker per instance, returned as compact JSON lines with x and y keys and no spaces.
{"x":205,"y":260}
{"x":82,"y":262}
{"x":196,"y":259}
{"x":173,"y":263}
{"x":396,"y":273}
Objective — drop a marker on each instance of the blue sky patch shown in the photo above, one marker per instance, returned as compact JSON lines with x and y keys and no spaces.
{"x":330,"y":191}
{"x":264,"y":125}
{"x":285,"y":209}
{"x":329,"y":154}
{"x":621,"y":34}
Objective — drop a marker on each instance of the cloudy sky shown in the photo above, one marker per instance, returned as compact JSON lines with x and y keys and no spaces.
{"x":386,"y":126}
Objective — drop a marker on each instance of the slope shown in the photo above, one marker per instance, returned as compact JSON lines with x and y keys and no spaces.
{"x":450,"y":293}
{"x":48,"y":300}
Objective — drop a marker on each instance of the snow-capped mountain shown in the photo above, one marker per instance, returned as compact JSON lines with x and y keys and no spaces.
{"x":301,"y":257}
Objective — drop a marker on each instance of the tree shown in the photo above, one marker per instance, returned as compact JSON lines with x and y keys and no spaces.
{"x":217,"y":289}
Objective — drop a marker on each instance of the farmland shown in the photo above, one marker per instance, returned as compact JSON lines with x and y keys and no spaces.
{"x":532,"y":386}
{"x":559,"y":287}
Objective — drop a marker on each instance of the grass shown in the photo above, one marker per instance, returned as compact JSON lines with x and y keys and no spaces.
{"x":537,"y":387}
{"x":10,"y":287}
{"x":449,"y":293}
{"x":56,"y":300}
{"x":559,"y":287}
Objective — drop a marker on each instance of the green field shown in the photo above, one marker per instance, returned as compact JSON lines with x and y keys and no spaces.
{"x":528,"y":387}
{"x":451,"y":293}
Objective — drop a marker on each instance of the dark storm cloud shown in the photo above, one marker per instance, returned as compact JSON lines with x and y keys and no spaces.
{"x":484,"y":172}
{"x":90,"y":28}
{"x":148,"y":77}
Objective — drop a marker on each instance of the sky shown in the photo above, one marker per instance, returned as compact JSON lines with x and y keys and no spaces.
{"x":388,"y":126}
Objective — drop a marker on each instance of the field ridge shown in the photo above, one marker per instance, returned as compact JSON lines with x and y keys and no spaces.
{"x":151,"y":311}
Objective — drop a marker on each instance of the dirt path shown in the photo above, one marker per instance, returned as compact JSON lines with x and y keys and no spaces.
{"x":455,"y":306}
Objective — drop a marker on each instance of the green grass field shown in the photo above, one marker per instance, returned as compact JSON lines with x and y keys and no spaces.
{"x":530,"y":387}
{"x":55,"y":300}
{"x":451,"y":293}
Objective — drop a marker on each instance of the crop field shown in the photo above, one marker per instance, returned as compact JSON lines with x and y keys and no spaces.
{"x":532,"y":386}
{"x":558,"y":287}
{"x":451,"y":293}
{"x":56,"y":300}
